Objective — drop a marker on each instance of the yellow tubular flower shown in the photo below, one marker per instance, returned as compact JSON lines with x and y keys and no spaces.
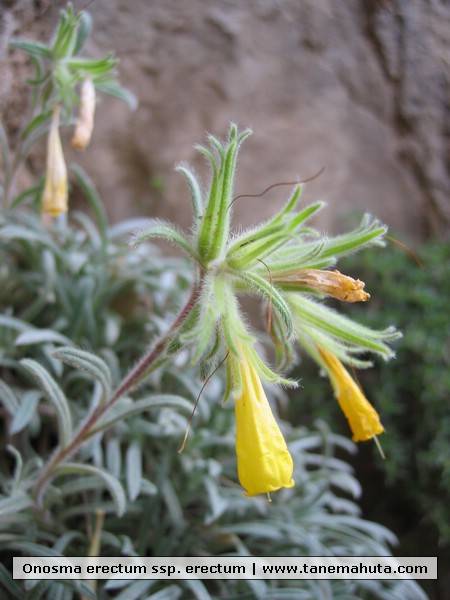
{"x":362,"y":417}
{"x":54,"y":198}
{"x":264,"y":462}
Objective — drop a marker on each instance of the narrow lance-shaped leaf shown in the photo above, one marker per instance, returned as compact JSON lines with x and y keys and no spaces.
{"x":117,"y":91}
{"x":126,"y":408}
{"x":326,"y":319}
{"x":194,"y":188}
{"x":18,"y":469}
{"x":223,"y":215}
{"x":40,"y":336}
{"x":14,"y":504}
{"x":272,"y":295}
{"x":32,"y":47}
{"x":370,"y":232}
{"x":134,"y":470}
{"x":214,"y":228}
{"x":94,"y":200}
{"x":88,"y":362}
{"x":26,"y":411}
{"x":8,"y":398}
{"x":113,"y":485}
{"x":9,"y":584}
{"x":304,"y":215}
{"x":55,"y":395}
{"x":166,"y":231}
{"x":93,"y":67}
{"x":84,"y":30}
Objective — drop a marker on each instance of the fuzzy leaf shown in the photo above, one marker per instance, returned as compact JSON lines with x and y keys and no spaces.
{"x":325,"y":319}
{"x":85,"y":361}
{"x":194,"y":188}
{"x":12,"y":505}
{"x":40,"y":336}
{"x":113,"y":89}
{"x":9,"y":584}
{"x":55,"y":396}
{"x":370,"y":232}
{"x":94,"y":200}
{"x":113,"y":484}
{"x":271,"y":294}
{"x":93,"y":67}
{"x":166,"y":231}
{"x":41,"y":119}
{"x":126,"y":408}
{"x":26,"y":411}
{"x":8,"y":398}
{"x":32,"y":47}
{"x":134,"y":470}
{"x":17,"y":232}
{"x":84,"y":30}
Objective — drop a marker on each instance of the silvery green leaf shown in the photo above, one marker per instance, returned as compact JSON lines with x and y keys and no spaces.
{"x":26,"y":411}
{"x":8,"y":398}
{"x":92,"y":364}
{"x":136,"y":590}
{"x":18,"y":232}
{"x":94,"y":200}
{"x":55,"y":395}
{"x":113,"y":484}
{"x":171,"y":592}
{"x":18,"y":469}
{"x":12,"y":505}
{"x":41,"y":336}
{"x":14,"y":323}
{"x":9,"y":584}
{"x":133,"y":460}
{"x":148,"y":487}
{"x":197,"y":589}
{"x":114,"y":89}
{"x":113,"y":456}
{"x":126,"y":408}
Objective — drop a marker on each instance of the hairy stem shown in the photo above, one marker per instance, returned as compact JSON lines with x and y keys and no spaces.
{"x":128,"y":383}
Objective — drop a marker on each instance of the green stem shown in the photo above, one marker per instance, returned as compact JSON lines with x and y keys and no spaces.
{"x":128,"y":383}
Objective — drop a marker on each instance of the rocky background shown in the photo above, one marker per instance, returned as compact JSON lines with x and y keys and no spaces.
{"x":359,"y":87}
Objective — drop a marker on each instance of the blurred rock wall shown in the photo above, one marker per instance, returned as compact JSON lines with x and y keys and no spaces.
{"x":359,"y":87}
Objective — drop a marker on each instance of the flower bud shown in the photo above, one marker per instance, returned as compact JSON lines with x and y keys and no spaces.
{"x":85,"y":124}
{"x":55,"y":195}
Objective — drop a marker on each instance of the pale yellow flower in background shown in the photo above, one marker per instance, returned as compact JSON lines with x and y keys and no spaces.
{"x":362,"y":417}
{"x":85,"y":124}
{"x":55,"y":195}
{"x":264,"y":462}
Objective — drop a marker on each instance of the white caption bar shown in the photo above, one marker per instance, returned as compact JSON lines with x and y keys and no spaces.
{"x":268,"y":567}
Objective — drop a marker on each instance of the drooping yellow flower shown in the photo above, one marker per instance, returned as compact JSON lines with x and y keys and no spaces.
{"x":333,"y":283}
{"x":264,"y":462}
{"x":55,"y":195}
{"x":85,"y":124}
{"x":362,"y":417}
